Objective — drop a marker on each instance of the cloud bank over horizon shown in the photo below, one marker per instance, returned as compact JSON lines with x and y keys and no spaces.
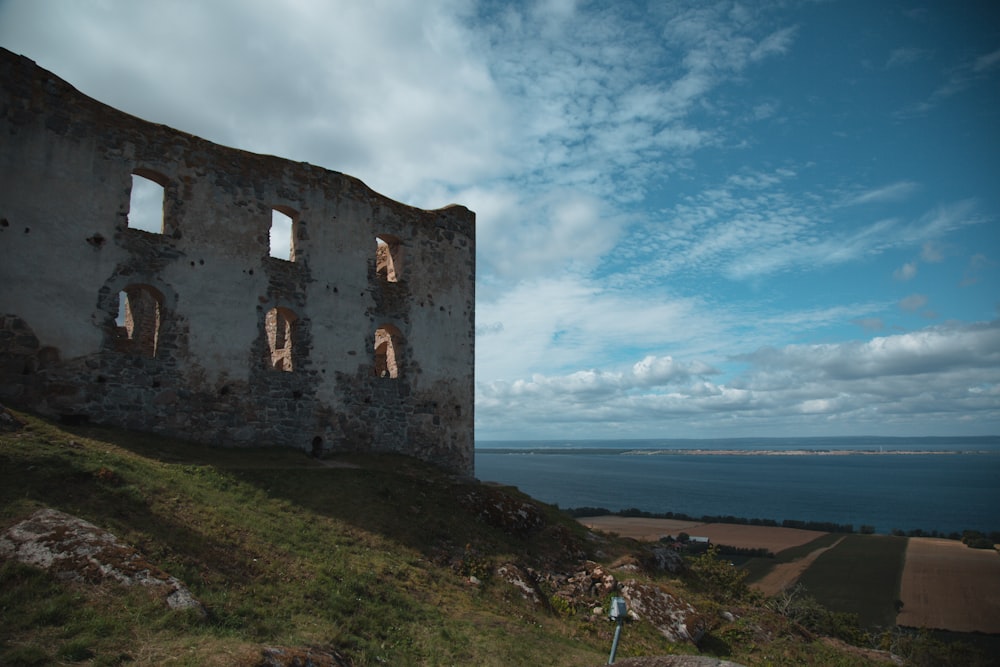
{"x":693,"y":220}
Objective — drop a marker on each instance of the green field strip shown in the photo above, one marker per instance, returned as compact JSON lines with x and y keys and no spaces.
{"x":861,"y":575}
{"x":758,"y":568}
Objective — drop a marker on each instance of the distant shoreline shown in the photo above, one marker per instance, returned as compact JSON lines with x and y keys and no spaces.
{"x":546,"y":451}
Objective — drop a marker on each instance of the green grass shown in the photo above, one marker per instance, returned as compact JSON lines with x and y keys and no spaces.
{"x":861,"y":575}
{"x":371,"y":561}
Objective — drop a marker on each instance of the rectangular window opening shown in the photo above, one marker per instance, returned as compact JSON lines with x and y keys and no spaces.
{"x":145,"y":210}
{"x":281,"y":235}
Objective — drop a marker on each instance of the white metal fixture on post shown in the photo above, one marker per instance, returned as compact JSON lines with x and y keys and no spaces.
{"x":617,"y":613}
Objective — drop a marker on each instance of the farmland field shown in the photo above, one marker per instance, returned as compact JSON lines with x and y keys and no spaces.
{"x":772,"y":538}
{"x":949,"y":586}
{"x":859,"y":575}
{"x":942,"y":584}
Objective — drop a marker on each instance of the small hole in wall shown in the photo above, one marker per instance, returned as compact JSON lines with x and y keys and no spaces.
{"x":101,"y":379}
{"x":296,"y":394}
{"x":317,"y":446}
{"x":224,"y":391}
{"x":156,"y":384}
{"x":27,"y":230}
{"x":4,"y":222}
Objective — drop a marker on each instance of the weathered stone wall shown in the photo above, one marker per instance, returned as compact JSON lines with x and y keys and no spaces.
{"x":197,"y":331}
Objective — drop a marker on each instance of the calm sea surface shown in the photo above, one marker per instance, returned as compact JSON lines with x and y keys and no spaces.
{"x":943,"y":484}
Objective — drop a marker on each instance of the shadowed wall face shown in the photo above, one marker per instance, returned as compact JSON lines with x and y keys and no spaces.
{"x":157,"y":281}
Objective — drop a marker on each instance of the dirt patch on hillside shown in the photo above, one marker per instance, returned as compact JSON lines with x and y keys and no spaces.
{"x":772,"y":538}
{"x":947,"y":585}
{"x":784,"y":575}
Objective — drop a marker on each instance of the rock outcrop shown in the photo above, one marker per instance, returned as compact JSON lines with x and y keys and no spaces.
{"x":76,"y":550}
{"x":588,"y":587}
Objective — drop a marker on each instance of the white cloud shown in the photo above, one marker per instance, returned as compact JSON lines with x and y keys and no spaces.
{"x":932,"y":252}
{"x":756,"y":224}
{"x":961,"y":78}
{"x":870,"y":323}
{"x":906,"y":272}
{"x":905,"y":56}
{"x":979,"y":264}
{"x":549,"y":324}
{"x":939,"y":374}
{"x":913,"y":302}
{"x":888,"y":193}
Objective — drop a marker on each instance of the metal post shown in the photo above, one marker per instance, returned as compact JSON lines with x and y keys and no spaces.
{"x":614,"y":644}
{"x":617,"y":614}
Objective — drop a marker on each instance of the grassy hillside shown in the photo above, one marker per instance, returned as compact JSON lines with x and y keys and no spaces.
{"x":377,"y":560}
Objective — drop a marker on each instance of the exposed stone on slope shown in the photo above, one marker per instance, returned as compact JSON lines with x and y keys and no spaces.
{"x":299,"y":657}
{"x":76,"y":550}
{"x":676,"y":661}
{"x":502,"y":510}
{"x":8,"y":422}
{"x":660,"y":609}
{"x":588,"y":588}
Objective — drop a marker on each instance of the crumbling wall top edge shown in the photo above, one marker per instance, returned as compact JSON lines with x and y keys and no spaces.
{"x":21,"y":77}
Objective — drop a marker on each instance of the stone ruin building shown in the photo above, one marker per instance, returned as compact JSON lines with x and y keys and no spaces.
{"x":360,"y":337}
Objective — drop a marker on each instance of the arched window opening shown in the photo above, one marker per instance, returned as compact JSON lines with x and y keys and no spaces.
{"x":145,"y":209}
{"x":139,"y":315}
{"x":282,"y":234}
{"x":388,"y":348}
{"x":279,"y":325}
{"x":388,"y":258}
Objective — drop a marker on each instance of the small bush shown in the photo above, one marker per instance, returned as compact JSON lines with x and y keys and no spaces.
{"x":718,"y":576}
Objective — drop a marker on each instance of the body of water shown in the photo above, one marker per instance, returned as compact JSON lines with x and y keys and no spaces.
{"x":933,"y":484}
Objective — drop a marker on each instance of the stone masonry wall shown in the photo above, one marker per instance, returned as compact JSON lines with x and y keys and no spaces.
{"x":362,"y":340}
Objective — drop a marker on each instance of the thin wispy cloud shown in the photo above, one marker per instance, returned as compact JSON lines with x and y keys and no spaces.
{"x":961,"y":77}
{"x":905,"y":56}
{"x":887,"y":193}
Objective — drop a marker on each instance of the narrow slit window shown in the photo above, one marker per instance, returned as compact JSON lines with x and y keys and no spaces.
{"x":281,"y":235}
{"x":145,"y":210}
{"x":280,"y":326}
{"x":388,"y":347}
{"x":139,"y":315}
{"x":388,"y":258}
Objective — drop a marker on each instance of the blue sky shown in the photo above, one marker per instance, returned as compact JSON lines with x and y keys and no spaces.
{"x":695,"y":219}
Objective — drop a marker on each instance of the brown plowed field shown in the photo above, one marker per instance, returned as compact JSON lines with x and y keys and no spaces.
{"x":735,"y":535}
{"x":948,"y":586}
